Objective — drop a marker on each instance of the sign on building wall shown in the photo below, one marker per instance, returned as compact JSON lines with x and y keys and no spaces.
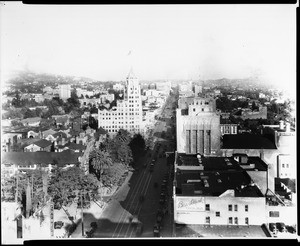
{"x":190,"y":204}
{"x":51,"y":219}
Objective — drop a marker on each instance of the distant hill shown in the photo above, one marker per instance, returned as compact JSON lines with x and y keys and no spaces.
{"x":29,"y":77}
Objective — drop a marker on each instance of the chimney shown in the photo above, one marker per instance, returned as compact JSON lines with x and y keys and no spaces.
{"x":281,"y":124}
{"x":287,"y":127}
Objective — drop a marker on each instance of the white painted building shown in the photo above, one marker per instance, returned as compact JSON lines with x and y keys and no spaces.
{"x":64,"y":92}
{"x":127,"y":114}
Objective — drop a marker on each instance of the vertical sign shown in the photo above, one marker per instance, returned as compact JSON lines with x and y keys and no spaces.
{"x":51,"y":219}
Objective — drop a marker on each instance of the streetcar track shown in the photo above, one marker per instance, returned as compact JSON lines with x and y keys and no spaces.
{"x":133,"y":194}
{"x":128,"y":210}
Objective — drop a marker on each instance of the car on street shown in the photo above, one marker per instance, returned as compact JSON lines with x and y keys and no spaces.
{"x":58,"y":224}
{"x":281,"y":226}
{"x":151,"y":168}
{"x":272,"y":227}
{"x":291,"y":229}
{"x":156,"y":230}
{"x":139,"y":229}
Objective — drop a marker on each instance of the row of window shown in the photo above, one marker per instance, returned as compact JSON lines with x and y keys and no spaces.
{"x":285,"y":165}
{"x":207,"y":208}
{"x":230,"y":220}
{"x":113,"y":126}
{"x":120,"y":118}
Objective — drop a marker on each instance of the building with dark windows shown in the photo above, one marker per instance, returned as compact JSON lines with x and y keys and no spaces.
{"x":198,"y":126}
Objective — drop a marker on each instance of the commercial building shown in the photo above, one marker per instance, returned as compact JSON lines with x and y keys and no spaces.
{"x":285,"y":140}
{"x":64,"y":91}
{"x":197,"y":126}
{"x":217,"y":191}
{"x":127,"y":114}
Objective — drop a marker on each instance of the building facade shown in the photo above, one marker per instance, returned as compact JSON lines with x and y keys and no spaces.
{"x":64,"y":92}
{"x":198,"y":126}
{"x":127,"y":114}
{"x":215,"y":191}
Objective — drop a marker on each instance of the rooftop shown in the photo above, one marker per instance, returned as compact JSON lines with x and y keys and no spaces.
{"x":246,"y":141}
{"x":75,"y":146}
{"x":43,"y":143}
{"x":209,"y":163}
{"x":40,"y":157}
{"x":215,"y":183}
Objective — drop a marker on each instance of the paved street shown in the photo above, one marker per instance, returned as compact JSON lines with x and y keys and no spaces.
{"x":114,"y":220}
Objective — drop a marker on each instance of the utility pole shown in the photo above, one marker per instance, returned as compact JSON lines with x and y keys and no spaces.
{"x":17,"y":186}
{"x":82,"y":228}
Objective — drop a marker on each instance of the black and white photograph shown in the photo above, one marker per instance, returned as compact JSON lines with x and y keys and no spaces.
{"x":148,"y":121}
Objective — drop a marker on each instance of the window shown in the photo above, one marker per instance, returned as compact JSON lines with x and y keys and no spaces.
{"x":194,"y":109}
{"x":230,"y":220}
{"x":287,"y":165}
{"x":207,"y":220}
{"x":236,"y":220}
{"x":246,"y":208}
{"x":283,"y":165}
{"x":207,"y":207}
{"x":202,"y":109}
{"x":229,"y":207}
{"x":217,"y":214}
{"x":235,"y":207}
{"x":247,"y":221}
{"x":274,"y":214}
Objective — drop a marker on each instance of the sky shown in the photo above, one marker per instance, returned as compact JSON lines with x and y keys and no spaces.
{"x":159,"y":41}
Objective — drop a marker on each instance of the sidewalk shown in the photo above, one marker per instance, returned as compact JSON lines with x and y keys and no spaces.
{"x":93,"y":214}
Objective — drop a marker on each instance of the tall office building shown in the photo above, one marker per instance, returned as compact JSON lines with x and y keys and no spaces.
{"x":127,"y":114}
{"x":64,"y":92}
{"x":198,"y":126}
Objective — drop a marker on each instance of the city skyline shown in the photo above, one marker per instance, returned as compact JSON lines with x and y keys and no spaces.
{"x":102,"y":42}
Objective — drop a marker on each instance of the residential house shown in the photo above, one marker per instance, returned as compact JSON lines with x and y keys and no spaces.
{"x":34,"y":121}
{"x":24,"y":161}
{"x":40,"y":145}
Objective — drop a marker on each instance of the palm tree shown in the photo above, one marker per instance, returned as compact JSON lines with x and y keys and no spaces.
{"x":100,"y":160}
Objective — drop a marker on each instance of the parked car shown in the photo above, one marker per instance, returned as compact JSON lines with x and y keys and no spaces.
{"x":151,"y":167}
{"x":281,"y":226}
{"x":58,"y":224}
{"x":272,"y":227}
{"x":139,"y":229}
{"x":291,"y":229}
{"x":156,"y":230}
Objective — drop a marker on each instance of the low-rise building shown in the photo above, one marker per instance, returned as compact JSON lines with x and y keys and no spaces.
{"x":215,"y":191}
{"x":39,"y":145}
{"x":34,"y":121}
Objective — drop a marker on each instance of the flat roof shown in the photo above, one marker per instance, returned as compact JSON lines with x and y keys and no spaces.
{"x":246,"y":141}
{"x":40,"y":157}
{"x":209,"y":163}
{"x":215,"y":183}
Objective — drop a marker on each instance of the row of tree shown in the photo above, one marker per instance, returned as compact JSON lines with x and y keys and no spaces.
{"x":33,"y":188}
{"x":116,"y":153}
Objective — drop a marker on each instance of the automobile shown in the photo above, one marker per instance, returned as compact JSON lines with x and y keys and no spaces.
{"x":156,"y":230}
{"x":272,"y":227}
{"x":291,"y":229}
{"x":151,"y":167}
{"x":134,"y":220}
{"x":281,"y":226}
{"x":139,"y":229}
{"x":58,"y":224}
